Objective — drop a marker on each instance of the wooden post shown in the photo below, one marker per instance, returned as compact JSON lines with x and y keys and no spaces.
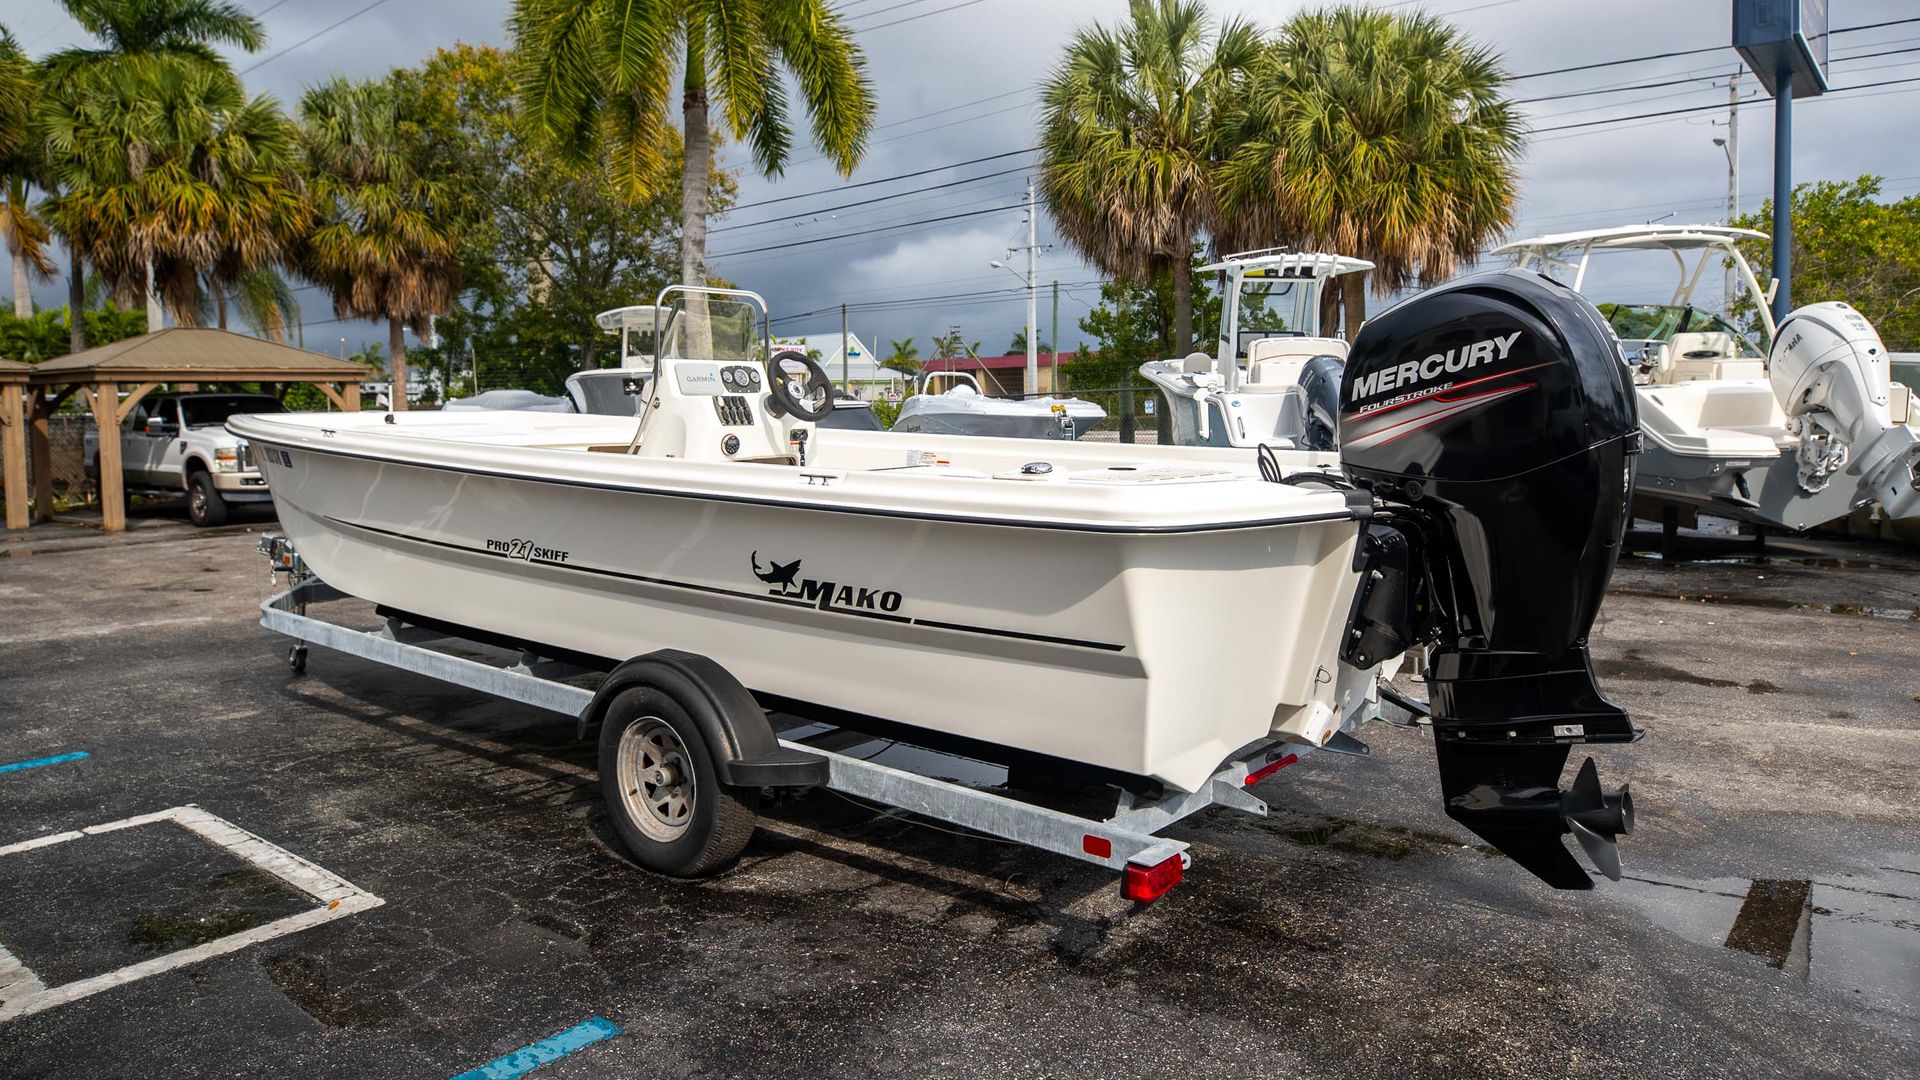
{"x":13,"y":432}
{"x":41,"y":434}
{"x":106,"y":417}
{"x":350,"y":397}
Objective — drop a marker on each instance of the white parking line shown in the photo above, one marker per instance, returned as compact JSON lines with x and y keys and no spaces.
{"x":22,"y":992}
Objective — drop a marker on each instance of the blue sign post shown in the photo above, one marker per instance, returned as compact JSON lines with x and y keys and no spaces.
{"x":1785,"y":43}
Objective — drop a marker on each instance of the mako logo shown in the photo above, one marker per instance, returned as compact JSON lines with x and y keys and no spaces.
{"x":1451,"y":362}
{"x":825,"y":595}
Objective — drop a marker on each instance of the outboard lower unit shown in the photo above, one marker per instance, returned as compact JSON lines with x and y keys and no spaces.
{"x":1493,"y":421}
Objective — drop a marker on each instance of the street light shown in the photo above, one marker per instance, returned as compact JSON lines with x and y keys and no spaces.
{"x":1733,"y":203}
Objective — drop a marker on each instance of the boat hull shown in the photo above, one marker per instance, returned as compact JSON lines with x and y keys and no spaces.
{"x":1154,"y":654}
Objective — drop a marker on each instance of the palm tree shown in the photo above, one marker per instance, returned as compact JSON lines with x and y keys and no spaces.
{"x":1130,"y":144}
{"x":384,"y":243}
{"x":182,"y":29}
{"x":24,"y":230}
{"x":905,"y":359}
{"x":597,"y":74}
{"x":1019,"y":344}
{"x":166,"y":168}
{"x":1377,"y":134}
{"x":265,"y":301}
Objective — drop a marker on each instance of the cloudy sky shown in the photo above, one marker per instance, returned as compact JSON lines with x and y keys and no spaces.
{"x":955,"y":82}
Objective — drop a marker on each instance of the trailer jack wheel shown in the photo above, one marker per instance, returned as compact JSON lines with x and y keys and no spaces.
{"x":663,"y":792}
{"x":297,"y":659}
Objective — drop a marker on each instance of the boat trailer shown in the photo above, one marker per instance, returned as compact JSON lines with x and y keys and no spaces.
{"x":1125,"y":841}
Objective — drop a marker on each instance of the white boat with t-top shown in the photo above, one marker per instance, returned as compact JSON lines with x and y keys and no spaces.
{"x":1792,"y":435}
{"x":1128,"y":612}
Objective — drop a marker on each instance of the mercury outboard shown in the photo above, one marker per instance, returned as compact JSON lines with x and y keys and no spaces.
{"x":1493,"y":422}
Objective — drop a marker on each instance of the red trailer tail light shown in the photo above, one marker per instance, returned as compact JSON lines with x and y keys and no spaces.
{"x":1148,"y":883}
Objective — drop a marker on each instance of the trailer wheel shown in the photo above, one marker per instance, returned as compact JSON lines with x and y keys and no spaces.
{"x":662,"y":791}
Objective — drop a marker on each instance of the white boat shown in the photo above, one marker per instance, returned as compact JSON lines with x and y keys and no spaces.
{"x":962,"y":409}
{"x":608,"y":391}
{"x":1126,"y":612}
{"x":1789,"y":437}
{"x":1271,"y":380}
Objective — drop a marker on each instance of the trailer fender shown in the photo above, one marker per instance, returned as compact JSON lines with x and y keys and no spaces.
{"x":746,"y":752}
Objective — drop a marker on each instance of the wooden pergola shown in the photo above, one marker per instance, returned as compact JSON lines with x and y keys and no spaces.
{"x":180,"y":356}
{"x":13,"y":441}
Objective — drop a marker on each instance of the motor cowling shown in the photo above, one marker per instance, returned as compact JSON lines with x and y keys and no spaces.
{"x":1494,"y":421}
{"x":1833,"y":378}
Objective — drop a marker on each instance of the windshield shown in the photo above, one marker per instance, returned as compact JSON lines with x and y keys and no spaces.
{"x":1266,"y":305}
{"x":1659,"y":322}
{"x":204,"y":411}
{"x":704,"y":327}
{"x":604,"y":392}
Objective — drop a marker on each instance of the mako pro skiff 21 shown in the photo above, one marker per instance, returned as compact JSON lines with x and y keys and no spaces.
{"x":1793,"y":437}
{"x":1128,"y":615}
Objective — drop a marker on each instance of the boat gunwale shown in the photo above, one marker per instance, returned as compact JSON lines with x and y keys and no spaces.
{"x":1057,"y":524}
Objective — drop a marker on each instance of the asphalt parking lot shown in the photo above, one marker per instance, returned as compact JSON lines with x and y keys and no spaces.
{"x":1769,"y":925}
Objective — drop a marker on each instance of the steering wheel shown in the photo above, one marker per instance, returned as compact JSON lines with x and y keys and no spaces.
{"x":788,"y":394}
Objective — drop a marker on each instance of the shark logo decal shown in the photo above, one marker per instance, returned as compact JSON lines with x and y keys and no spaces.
{"x":780,"y":577}
{"x":825,"y":595}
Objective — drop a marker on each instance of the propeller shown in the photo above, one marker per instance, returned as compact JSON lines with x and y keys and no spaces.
{"x":1596,"y":818}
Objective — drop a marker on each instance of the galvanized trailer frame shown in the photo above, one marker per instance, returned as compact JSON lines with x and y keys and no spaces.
{"x":1124,"y":841}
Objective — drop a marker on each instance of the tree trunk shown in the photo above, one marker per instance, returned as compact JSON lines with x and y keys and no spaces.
{"x":1182,"y":306}
{"x":77,"y":305}
{"x":220,"y":307}
{"x":693,"y":190}
{"x":397,"y":350}
{"x":156,"y":318}
{"x":1330,"y":297}
{"x":1354,"y":286}
{"x":22,"y":288}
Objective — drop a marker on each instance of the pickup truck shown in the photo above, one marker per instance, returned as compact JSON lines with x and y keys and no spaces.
{"x":179,"y":442}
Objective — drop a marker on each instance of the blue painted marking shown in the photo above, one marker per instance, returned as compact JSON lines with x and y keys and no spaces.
{"x":56,"y":759}
{"x":547,"y":1050}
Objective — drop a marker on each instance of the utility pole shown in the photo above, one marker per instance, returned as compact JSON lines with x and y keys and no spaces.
{"x":845,"y":380}
{"x":1033,"y":298}
{"x":1053,"y":386}
{"x":1733,"y":170}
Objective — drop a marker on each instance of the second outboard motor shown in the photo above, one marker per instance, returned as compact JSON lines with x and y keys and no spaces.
{"x":1320,"y":384}
{"x":1493,"y":421}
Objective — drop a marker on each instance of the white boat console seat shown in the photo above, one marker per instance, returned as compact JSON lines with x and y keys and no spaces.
{"x":1274,"y":364}
{"x":1199,"y":363}
{"x":1693,"y":357}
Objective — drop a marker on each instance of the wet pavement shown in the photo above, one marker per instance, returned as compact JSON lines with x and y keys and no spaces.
{"x":1769,"y":923}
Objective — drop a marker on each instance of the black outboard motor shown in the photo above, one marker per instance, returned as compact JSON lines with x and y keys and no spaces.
{"x":1320,"y":384}
{"x":1493,"y":420}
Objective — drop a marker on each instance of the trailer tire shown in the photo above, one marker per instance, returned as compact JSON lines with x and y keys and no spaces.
{"x":662,"y":790}
{"x":204,"y":504}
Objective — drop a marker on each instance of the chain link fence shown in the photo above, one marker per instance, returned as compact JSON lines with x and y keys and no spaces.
{"x":1135,"y":414}
{"x":67,"y":432}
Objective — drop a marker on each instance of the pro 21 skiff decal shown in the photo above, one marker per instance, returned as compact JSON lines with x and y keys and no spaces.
{"x":527,"y":551}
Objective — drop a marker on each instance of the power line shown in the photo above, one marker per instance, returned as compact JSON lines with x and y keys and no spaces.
{"x":886,"y":179}
{"x":1707,"y":108}
{"x":868,"y":232}
{"x":1690,"y":52}
{"x":924,"y":15}
{"x":310,"y":37}
{"x":875,"y":199}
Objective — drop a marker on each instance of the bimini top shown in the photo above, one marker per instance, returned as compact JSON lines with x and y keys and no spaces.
{"x":1273,"y":262}
{"x":1634,"y":238}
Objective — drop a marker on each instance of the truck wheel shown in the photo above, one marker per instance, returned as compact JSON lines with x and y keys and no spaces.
{"x":666,"y":800}
{"x":204,"y":504}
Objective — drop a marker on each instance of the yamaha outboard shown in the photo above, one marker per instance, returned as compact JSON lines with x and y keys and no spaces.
{"x":1493,"y":421}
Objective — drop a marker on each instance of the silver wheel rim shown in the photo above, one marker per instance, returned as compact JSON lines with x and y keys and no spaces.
{"x":197,"y":502}
{"x":656,"y":779}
